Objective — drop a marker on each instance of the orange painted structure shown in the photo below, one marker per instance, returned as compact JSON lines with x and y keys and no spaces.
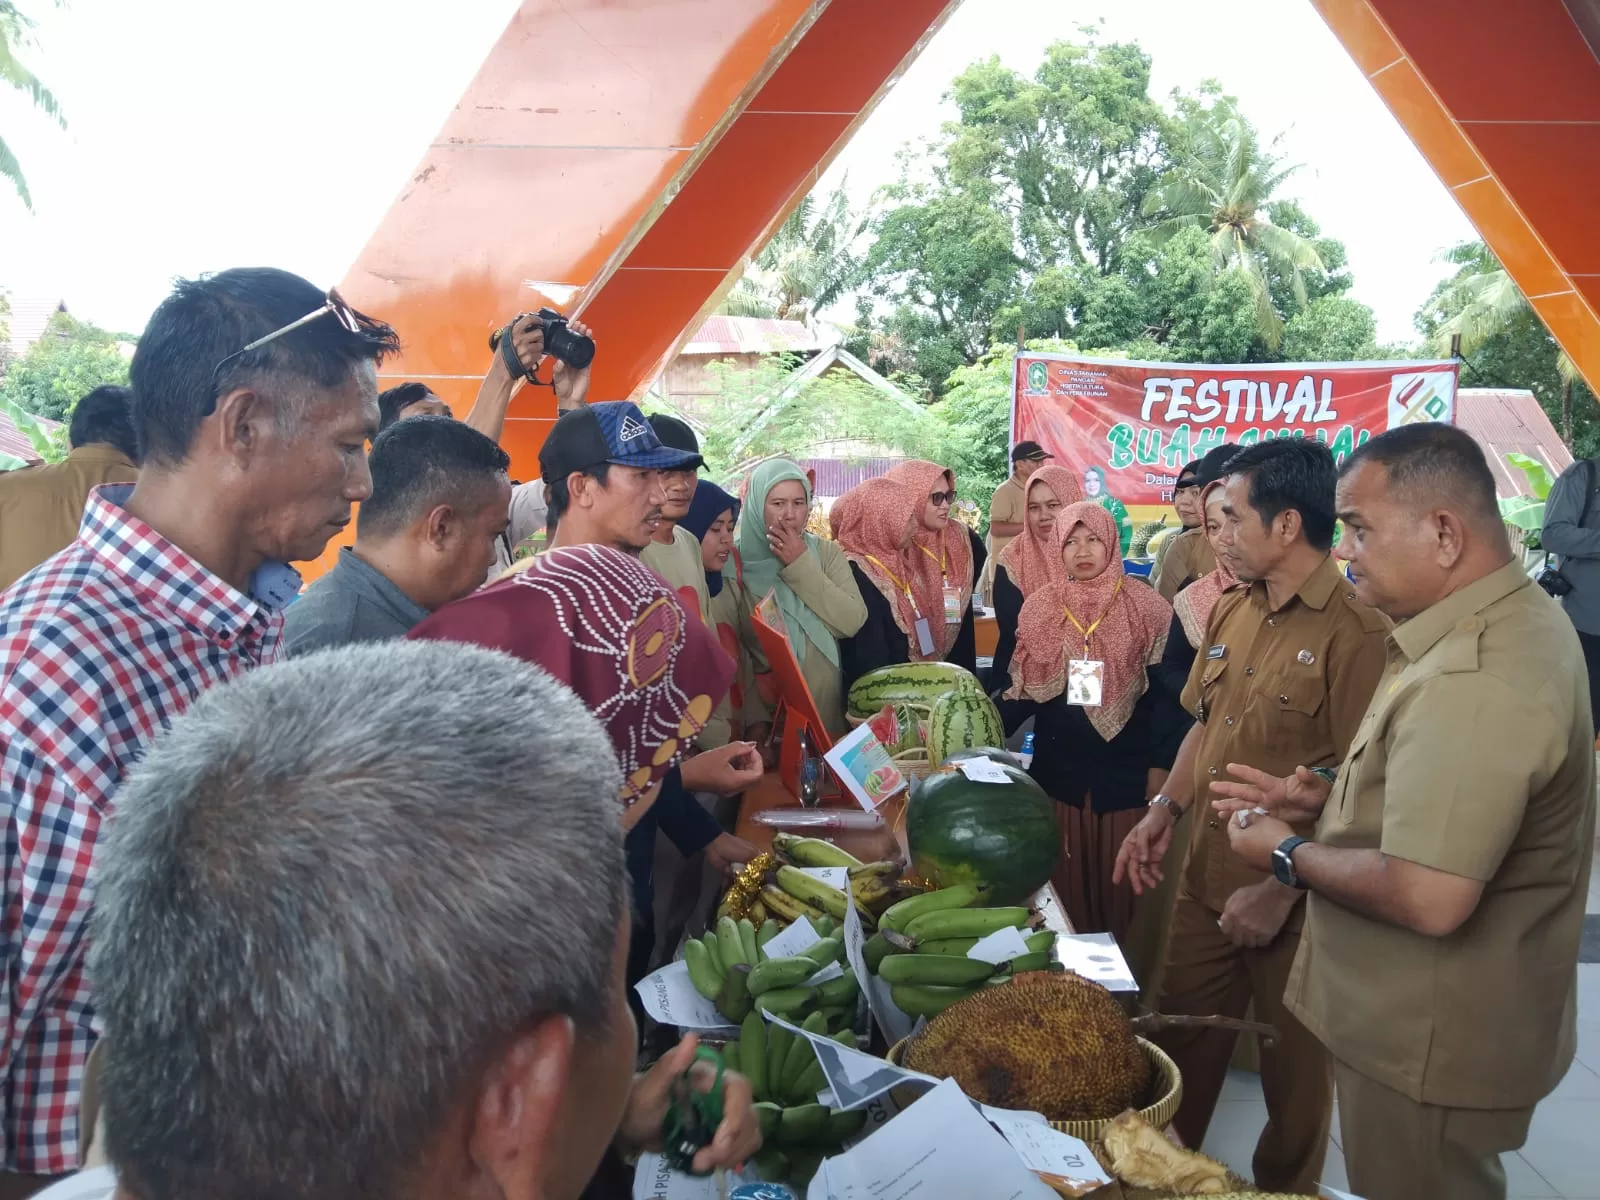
{"x":1503,"y":99}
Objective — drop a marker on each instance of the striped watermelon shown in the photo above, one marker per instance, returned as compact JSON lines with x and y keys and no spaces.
{"x":914,"y":684}
{"x":960,"y":719}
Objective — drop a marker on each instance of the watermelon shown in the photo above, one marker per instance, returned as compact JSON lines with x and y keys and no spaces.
{"x":962,"y":718}
{"x":915,"y":684}
{"x":1000,"y":756}
{"x":1002,"y":836}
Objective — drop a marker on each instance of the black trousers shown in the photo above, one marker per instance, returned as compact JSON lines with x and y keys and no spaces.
{"x":1591,"y":658}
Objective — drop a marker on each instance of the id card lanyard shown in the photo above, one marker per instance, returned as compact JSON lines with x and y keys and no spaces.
{"x":924,"y":630}
{"x":1086,"y":676}
{"x":952,"y":596}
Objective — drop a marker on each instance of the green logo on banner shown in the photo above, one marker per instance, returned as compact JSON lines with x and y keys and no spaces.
{"x":1038,"y":378}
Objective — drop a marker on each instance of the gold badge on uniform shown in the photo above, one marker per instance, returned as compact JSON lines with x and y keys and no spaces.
{"x":1306,"y":658}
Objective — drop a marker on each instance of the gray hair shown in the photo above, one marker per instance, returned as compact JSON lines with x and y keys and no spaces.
{"x":329,"y":894}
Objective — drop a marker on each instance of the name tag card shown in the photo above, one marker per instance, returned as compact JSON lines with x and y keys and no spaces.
{"x":1086,"y":681}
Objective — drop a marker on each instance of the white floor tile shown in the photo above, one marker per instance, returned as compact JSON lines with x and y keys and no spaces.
{"x":1523,"y":1182}
{"x":1580,"y":1083}
{"x":1240,"y":1085}
{"x":1333,"y":1172}
{"x":1235,"y":1129}
{"x":1562,"y":1145}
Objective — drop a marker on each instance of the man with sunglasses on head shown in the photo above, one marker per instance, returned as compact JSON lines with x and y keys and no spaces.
{"x":254,"y":397}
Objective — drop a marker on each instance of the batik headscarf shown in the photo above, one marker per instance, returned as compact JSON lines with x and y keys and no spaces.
{"x":709,"y":503}
{"x":937,"y":559}
{"x":868,"y":522}
{"x":1194,"y":604}
{"x":763,"y":569}
{"x":609,"y":628}
{"x":1127,"y":624}
{"x":1029,"y":562}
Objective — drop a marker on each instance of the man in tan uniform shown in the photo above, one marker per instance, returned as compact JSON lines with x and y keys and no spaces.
{"x":1451,"y":859}
{"x":41,"y":507}
{"x":1008,"y":508}
{"x":1289,"y":664}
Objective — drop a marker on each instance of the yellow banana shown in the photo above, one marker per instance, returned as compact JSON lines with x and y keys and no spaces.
{"x":813,"y":852}
{"x":813,"y":891}
{"x":786,"y":907}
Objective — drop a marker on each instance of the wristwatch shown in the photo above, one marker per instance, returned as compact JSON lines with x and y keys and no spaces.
{"x":1283,"y":863}
{"x":1169,"y":804}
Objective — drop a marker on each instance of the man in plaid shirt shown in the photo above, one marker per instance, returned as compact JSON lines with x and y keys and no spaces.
{"x":254,"y":397}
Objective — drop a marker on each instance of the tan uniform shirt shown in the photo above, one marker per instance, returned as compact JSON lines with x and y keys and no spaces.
{"x":1275,"y":689}
{"x":1184,"y":558}
{"x":41,"y":507}
{"x":682,"y":566}
{"x":1476,"y":758}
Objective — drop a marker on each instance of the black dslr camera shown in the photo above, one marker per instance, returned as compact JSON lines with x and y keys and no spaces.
{"x":574,"y":349}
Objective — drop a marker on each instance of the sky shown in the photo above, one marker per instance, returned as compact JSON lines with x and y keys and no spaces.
{"x":205,"y":134}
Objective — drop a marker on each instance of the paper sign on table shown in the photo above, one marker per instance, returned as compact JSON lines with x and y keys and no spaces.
{"x":1001,"y":946}
{"x":862,"y":763}
{"x":838,"y":877}
{"x":947,"y":1151}
{"x":654,"y":1180}
{"x":796,"y":939}
{"x":855,"y":1077}
{"x":670,"y":998}
{"x":894,"y":1023}
{"x":1096,"y":956}
{"x":1047,"y":1150}
{"x":984,"y":770}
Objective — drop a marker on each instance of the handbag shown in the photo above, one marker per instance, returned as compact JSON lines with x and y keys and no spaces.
{"x":1550,"y":577}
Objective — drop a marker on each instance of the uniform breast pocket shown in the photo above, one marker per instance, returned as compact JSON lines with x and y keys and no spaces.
{"x":1211,"y":682}
{"x":1300,"y":693}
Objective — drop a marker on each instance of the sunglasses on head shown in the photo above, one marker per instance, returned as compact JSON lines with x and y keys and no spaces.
{"x":941,"y":498}
{"x":342,"y":312}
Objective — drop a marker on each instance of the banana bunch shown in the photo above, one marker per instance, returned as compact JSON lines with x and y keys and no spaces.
{"x":874,"y":885}
{"x":921,"y":948}
{"x":798,"y":1133}
{"x":730,"y":967}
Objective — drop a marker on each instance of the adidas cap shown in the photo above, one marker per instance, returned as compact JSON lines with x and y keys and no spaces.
{"x":614,"y":431}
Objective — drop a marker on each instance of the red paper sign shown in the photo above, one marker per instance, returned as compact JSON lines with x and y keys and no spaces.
{"x":1127,"y":428}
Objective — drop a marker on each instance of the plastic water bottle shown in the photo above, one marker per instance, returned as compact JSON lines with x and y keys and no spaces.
{"x":1025,"y":755}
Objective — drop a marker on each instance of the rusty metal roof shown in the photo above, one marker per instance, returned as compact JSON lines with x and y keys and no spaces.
{"x":27,"y":319}
{"x":13,"y":442}
{"x":1506,"y":420}
{"x":752,"y":335}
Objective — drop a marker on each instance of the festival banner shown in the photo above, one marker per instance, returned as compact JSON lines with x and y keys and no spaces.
{"x":1127,"y":428}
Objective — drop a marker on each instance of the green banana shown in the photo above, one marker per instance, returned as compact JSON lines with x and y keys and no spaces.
{"x":1045,"y":939}
{"x":714,"y":953}
{"x":809,"y":1082}
{"x":772,"y":1164}
{"x":824,"y":951}
{"x":947,"y":945}
{"x":965,"y":922}
{"x":804,"y":1162}
{"x":770,"y":1115}
{"x":802,"y":1125}
{"x":753,"y":1053}
{"x":842,"y":990}
{"x":701,"y":973}
{"x":824,"y":926}
{"x":847,"y":1037}
{"x":787,"y":907}
{"x":843,"y":1125}
{"x":945,"y":969}
{"x":839,"y":1016}
{"x":778,"y":973}
{"x":734,"y":1000}
{"x":800,"y":1055}
{"x":787,"y":1003}
{"x":812,"y":852}
{"x":874,"y":950}
{"x":898,"y":916}
{"x":926,"y":1000}
{"x":778,"y":1039}
{"x":769,"y":930}
{"x":730,"y":1055}
{"x":1034,"y":960}
{"x":747,"y":941}
{"x":729,"y":946}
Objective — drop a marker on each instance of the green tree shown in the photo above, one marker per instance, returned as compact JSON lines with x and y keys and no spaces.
{"x":1224,"y":182}
{"x":71,"y":359}
{"x":808,"y":264}
{"x":1332,"y":329}
{"x":16,"y":33}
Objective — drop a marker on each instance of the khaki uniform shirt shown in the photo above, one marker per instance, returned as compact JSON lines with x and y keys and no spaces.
{"x":41,"y":507}
{"x":1184,"y":558}
{"x":1274,"y":689}
{"x":1009,"y":503}
{"x":683,"y":567}
{"x":1476,"y":758}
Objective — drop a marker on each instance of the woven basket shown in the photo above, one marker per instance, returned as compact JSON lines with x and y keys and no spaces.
{"x":1168,"y":1090}
{"x":914,"y":764}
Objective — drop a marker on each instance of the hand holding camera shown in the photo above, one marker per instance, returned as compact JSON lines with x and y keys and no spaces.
{"x":523,"y":344}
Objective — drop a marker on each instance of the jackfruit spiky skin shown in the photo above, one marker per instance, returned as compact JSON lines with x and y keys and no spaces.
{"x":1056,"y":1044}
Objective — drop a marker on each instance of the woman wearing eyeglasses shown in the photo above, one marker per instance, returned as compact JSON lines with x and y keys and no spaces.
{"x":947,"y":558}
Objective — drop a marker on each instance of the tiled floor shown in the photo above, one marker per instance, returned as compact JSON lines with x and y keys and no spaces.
{"x":1561,"y":1158}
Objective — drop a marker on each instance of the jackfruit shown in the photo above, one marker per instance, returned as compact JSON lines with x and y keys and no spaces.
{"x":1052,"y":1043}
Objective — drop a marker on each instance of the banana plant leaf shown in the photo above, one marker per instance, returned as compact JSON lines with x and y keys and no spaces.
{"x":1539,"y":477}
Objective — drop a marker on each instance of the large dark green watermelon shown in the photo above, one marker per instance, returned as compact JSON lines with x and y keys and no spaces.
{"x":1001,"y":835}
{"x":1000,"y":756}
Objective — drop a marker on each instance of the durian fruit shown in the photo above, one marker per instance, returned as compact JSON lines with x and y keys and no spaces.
{"x":1161,"y":538}
{"x":1140,"y":546}
{"x":1052,"y":1043}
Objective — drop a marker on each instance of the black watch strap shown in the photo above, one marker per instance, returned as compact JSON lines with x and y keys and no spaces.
{"x":1283,"y":863}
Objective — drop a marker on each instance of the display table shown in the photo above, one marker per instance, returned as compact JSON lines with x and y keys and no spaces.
{"x":987,"y":631}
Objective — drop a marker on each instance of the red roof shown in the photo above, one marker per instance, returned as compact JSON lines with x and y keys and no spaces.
{"x":751,"y":335}
{"x":1509,"y":420}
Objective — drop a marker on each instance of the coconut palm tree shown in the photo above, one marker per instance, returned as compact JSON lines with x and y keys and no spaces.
{"x":806,"y":266}
{"x":1480,"y":302}
{"x":1223,"y":182}
{"x":15,"y":33}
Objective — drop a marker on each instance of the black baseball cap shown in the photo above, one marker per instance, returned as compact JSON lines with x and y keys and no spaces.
{"x":1210,"y":468}
{"x":1029,"y":451}
{"x":1189,"y":476}
{"x":614,"y":431}
{"x":674,"y":433}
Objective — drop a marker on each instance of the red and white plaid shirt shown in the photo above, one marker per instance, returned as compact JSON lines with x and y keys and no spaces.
{"x":100,"y":647}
